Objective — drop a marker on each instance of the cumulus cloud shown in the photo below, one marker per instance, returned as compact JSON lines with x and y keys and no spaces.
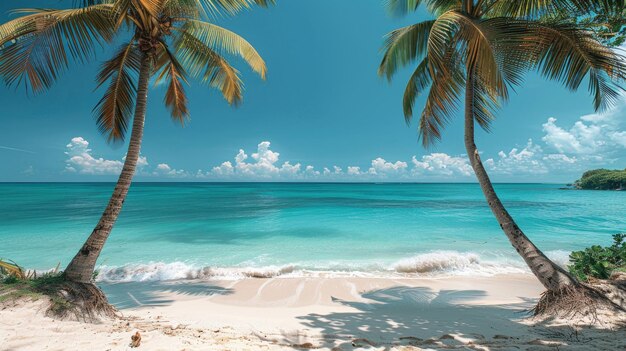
{"x":527,"y":160}
{"x":163,"y":169}
{"x":591,"y":136}
{"x":81,"y":160}
{"x":581,"y":138}
{"x":311,"y":172}
{"x":225,"y":169}
{"x":265,"y":164}
{"x":442,"y":164}
{"x":262,"y":164}
{"x":381,"y":167}
{"x":589,"y":142}
{"x":354,"y":170}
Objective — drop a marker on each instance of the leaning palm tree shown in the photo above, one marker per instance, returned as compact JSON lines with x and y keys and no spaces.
{"x":168,"y":40}
{"x":480,"y":48}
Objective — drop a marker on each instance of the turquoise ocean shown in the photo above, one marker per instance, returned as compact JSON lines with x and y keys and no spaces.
{"x":235,"y":230}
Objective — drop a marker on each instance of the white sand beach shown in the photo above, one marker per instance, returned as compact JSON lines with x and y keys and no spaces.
{"x":467,"y":313}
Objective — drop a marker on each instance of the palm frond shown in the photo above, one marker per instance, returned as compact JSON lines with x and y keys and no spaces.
{"x":420,"y":81}
{"x":217,"y":8}
{"x":11,"y":268}
{"x":45,"y":40}
{"x":442,"y":101}
{"x":200,"y":61}
{"x":154,"y":7}
{"x":437,"y":7}
{"x":403,"y":46}
{"x":85,"y":3}
{"x":10,"y":31}
{"x":479,"y":53}
{"x":115,"y":109}
{"x":531,"y":8}
{"x":222,"y":40}
{"x":513,"y":50}
{"x":173,"y":72}
{"x":486,"y":102}
{"x":193,"y":9}
{"x":441,"y":39}
{"x":567,"y":54}
{"x":401,"y":7}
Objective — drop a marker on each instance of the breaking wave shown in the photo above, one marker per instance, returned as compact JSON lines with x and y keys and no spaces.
{"x":180,"y":270}
{"x":430,"y":264}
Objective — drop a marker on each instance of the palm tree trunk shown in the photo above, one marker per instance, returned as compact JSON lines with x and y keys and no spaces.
{"x":552,"y":276}
{"x":82,"y":266}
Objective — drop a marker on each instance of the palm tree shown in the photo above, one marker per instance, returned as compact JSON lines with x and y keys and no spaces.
{"x":167,"y":40}
{"x":481,"y":48}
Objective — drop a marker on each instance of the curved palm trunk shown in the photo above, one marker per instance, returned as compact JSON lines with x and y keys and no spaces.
{"x":549,"y":274}
{"x":82,"y":266}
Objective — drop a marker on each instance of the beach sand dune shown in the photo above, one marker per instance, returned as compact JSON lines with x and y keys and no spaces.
{"x":348,"y":313}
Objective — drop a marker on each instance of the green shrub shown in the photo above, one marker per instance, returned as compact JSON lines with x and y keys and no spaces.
{"x":10,"y":279}
{"x":599,"y":262}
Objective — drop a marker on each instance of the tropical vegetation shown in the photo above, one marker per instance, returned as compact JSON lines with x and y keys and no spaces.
{"x":169,"y":41}
{"x":10,"y":269}
{"x":471,"y":53}
{"x":602,"y":179}
{"x":605,"y":19}
{"x":599,"y":261}
{"x":16,"y":283}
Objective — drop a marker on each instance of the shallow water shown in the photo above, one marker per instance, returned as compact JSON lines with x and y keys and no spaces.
{"x":201,"y":230}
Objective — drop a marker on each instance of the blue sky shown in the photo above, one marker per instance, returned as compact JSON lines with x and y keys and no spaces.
{"x":323,"y":114}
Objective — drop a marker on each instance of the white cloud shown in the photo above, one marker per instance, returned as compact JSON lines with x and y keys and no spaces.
{"x":260,"y":165}
{"x":353,"y":170}
{"x":581,"y":138}
{"x":163,"y":169}
{"x":384,"y":168}
{"x":560,"y":158}
{"x":289,"y":169}
{"x":81,"y":160}
{"x":591,"y":136}
{"x":263,"y":165}
{"x":589,"y":142}
{"x":311,"y":172}
{"x":527,"y":160}
{"x":442,"y":164}
{"x":225,"y":169}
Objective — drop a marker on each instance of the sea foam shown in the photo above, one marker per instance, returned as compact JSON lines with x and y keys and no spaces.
{"x":437,"y":261}
{"x":429,"y":264}
{"x":156,"y":271}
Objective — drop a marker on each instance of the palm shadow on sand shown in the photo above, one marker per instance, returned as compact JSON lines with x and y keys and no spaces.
{"x":149,"y":294}
{"x":434,"y":320}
